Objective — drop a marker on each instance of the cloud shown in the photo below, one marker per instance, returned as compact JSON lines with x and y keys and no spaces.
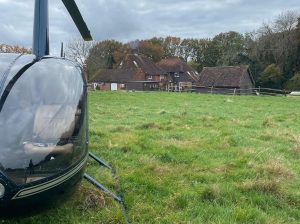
{"x":140,"y":19}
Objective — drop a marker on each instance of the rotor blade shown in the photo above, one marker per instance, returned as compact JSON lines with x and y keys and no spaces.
{"x":77,"y":18}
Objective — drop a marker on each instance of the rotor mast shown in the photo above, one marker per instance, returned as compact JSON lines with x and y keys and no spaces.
{"x":41,"y":29}
{"x":41,"y":26}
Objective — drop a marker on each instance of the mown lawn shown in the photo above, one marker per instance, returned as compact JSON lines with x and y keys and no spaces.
{"x":190,"y":158}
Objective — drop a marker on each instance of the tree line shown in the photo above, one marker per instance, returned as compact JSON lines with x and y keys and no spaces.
{"x":272,"y":51}
{"x":6,"y":48}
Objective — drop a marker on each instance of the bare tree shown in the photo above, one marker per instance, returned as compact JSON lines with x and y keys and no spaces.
{"x":265,"y":29}
{"x":276,"y":40}
{"x":286,"y":21}
{"x":78,"y":50}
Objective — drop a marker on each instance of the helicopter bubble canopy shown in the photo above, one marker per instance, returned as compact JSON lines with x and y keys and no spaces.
{"x":42,"y":118}
{"x":10,"y":65}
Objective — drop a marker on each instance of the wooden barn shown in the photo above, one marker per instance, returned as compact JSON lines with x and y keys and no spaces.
{"x":181,"y":76}
{"x":226,"y":79}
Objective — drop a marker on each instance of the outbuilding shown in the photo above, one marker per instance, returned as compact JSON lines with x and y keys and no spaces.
{"x":226,"y":79}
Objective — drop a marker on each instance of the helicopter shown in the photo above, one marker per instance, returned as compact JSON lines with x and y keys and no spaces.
{"x":43,"y":119}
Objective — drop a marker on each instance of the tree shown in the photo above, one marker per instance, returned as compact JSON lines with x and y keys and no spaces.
{"x":171,"y":46}
{"x":187,"y":48}
{"x":271,"y":77}
{"x":6,"y":48}
{"x":276,"y":43}
{"x":297,"y":35}
{"x":294,"y":82}
{"x":78,"y":50}
{"x":285,"y":21}
{"x":104,"y":55}
{"x":152,"y":50}
{"x":228,"y":46}
{"x":204,"y":54}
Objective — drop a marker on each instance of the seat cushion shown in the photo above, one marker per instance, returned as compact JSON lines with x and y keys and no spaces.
{"x":54,"y":122}
{"x":46,"y":150}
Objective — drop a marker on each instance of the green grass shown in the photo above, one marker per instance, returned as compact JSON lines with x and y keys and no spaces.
{"x":190,"y":158}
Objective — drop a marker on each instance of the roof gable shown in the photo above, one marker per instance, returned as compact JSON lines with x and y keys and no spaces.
{"x":136,"y":61}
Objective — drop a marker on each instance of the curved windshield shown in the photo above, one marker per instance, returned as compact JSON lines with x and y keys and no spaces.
{"x":42,"y":121}
{"x":10,"y":64}
{"x":5,"y":61}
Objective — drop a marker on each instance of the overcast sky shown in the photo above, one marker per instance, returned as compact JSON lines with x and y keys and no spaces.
{"x":140,"y":19}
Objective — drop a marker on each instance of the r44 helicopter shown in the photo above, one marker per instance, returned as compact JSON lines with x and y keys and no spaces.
{"x":43,"y":119}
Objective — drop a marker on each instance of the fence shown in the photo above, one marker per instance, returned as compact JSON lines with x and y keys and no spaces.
{"x":229,"y":91}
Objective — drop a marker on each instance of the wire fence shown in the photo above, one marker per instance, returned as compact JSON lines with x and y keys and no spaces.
{"x":229,"y":91}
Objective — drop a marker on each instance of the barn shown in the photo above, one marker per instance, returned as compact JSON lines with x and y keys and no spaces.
{"x":226,"y":79}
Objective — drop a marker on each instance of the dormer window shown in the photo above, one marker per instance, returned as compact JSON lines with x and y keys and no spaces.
{"x":176,"y":75}
{"x":150,"y":77}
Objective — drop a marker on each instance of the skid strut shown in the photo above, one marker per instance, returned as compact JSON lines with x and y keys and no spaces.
{"x":103,"y":188}
{"x":100,"y":186}
{"x":100,"y":161}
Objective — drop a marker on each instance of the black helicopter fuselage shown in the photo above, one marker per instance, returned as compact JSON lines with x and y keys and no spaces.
{"x":43,"y":127}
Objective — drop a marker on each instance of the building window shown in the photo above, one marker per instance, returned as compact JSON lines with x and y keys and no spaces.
{"x":150,"y":77}
{"x":162,"y":77}
{"x":176,"y":75}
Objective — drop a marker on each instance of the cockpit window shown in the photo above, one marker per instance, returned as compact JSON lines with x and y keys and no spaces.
{"x":10,"y":64}
{"x":42,"y":122}
{"x":5,"y":61}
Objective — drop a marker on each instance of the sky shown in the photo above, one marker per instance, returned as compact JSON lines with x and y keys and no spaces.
{"x":140,"y":19}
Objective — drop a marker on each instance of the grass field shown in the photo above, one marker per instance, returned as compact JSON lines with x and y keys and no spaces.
{"x":189,"y":158}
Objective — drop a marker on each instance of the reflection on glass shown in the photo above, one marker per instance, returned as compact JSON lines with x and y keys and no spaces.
{"x":10,"y":64}
{"x":42,"y":122}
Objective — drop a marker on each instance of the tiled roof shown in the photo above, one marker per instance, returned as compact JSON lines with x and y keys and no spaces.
{"x":115,"y":75}
{"x":227,"y":76}
{"x":135,"y":61}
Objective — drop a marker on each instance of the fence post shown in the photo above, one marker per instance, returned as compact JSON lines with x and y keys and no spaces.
{"x":211,"y":89}
{"x":234,"y":91}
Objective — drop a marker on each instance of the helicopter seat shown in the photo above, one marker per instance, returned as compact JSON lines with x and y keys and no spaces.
{"x":52,"y":131}
{"x":36,"y":148}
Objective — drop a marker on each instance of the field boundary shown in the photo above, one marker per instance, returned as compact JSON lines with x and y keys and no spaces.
{"x":230,"y":91}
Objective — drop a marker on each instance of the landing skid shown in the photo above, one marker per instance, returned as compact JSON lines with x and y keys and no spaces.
{"x":103,"y":188}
